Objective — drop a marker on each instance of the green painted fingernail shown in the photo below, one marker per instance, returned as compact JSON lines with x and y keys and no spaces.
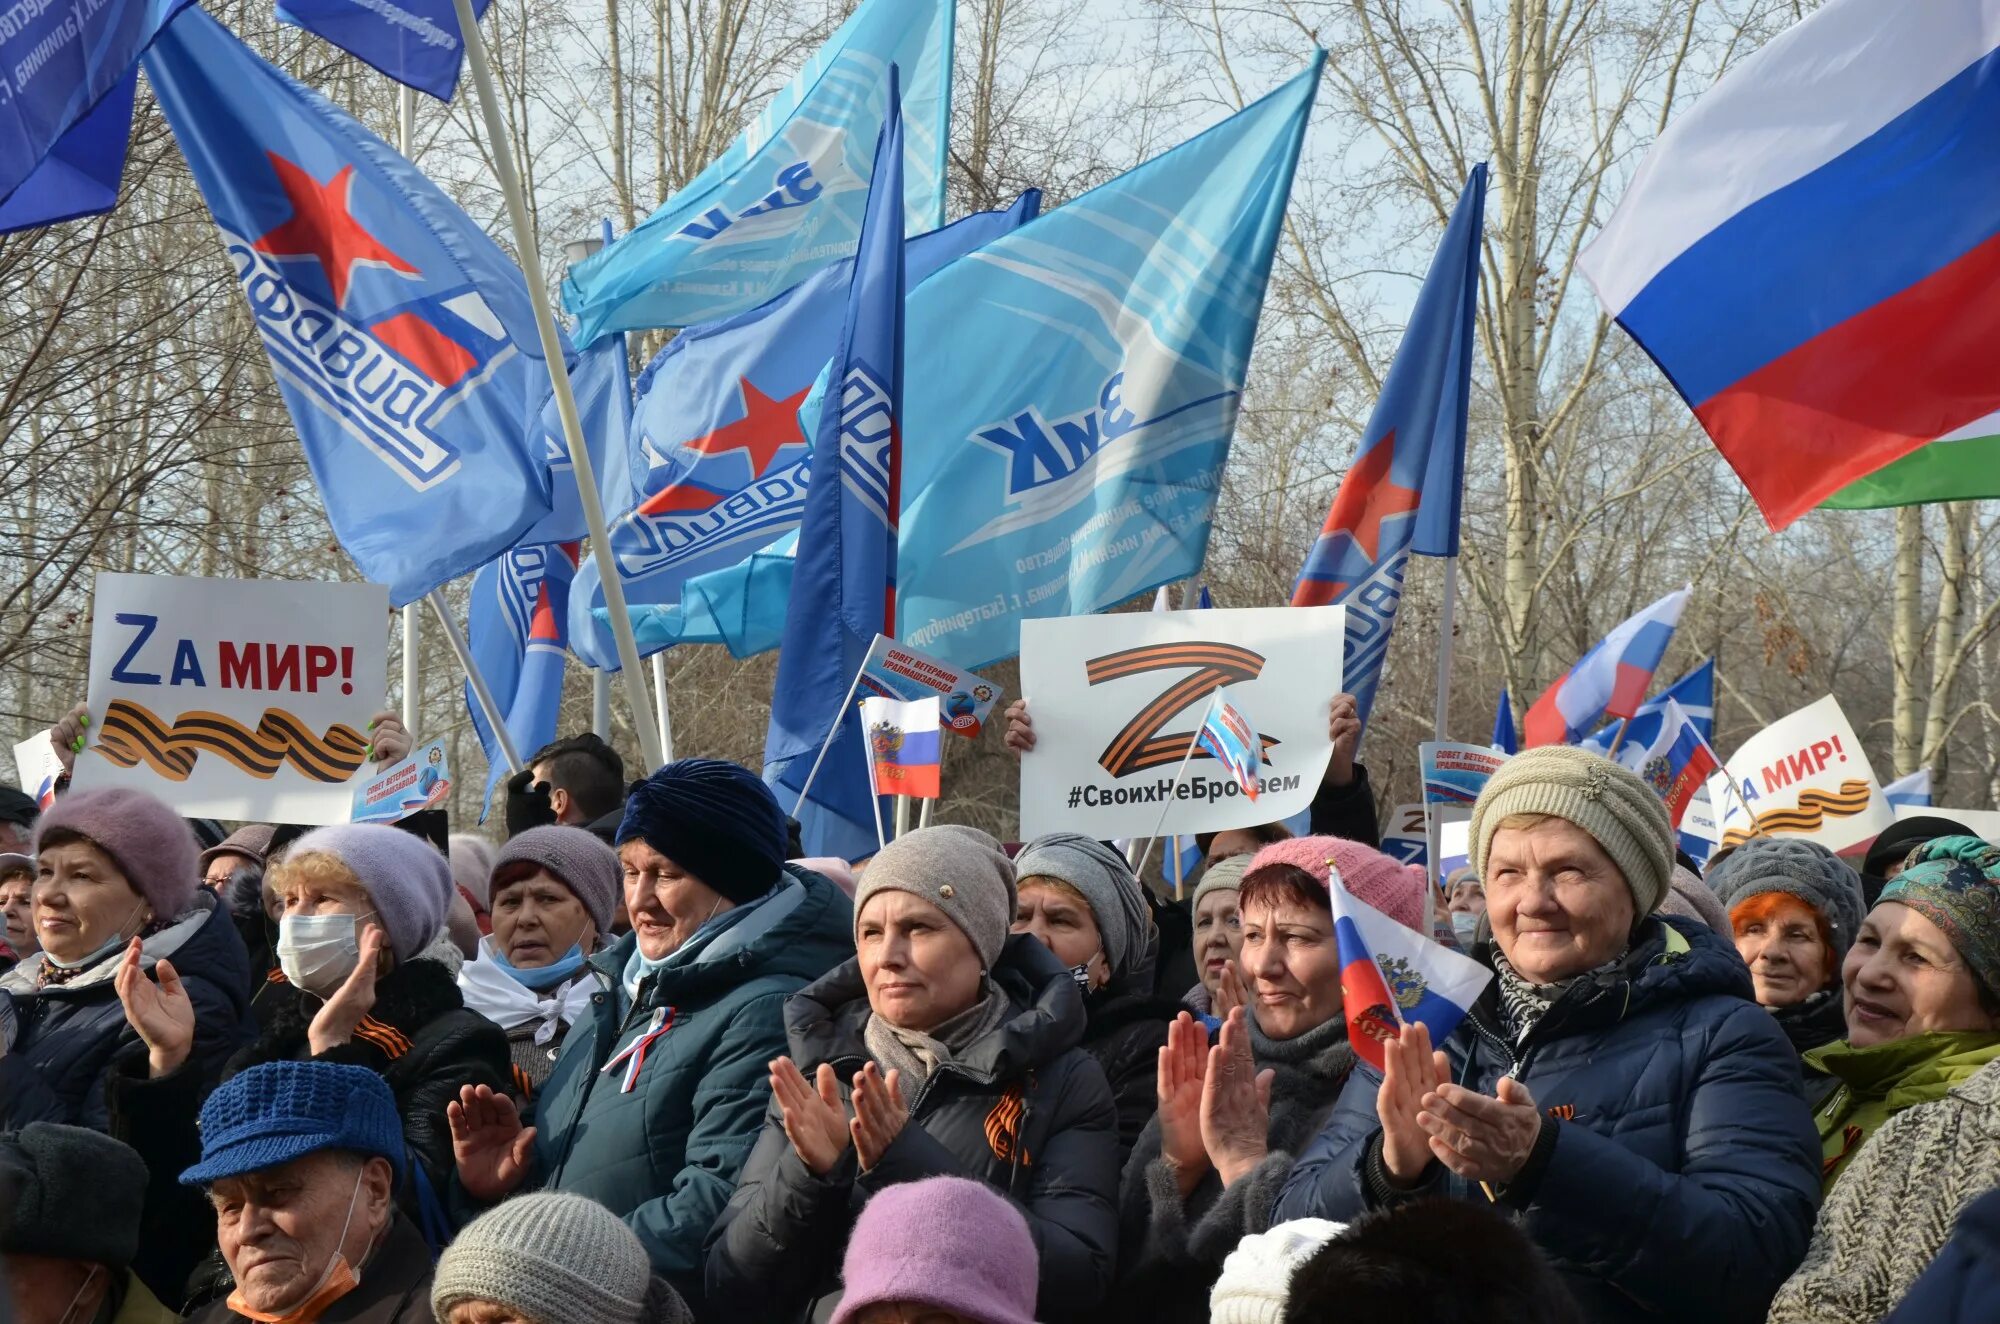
{"x":83,"y":720}
{"x":77,"y":747}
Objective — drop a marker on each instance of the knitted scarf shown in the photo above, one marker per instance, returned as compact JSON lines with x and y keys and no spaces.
{"x":1522,"y":1003}
{"x":918,"y":1053}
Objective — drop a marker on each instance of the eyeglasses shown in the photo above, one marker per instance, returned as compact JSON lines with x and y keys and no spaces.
{"x":216,"y":882}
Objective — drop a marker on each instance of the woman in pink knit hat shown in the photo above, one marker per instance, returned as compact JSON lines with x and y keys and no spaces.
{"x":1208,"y":1168}
{"x":944,"y":1250}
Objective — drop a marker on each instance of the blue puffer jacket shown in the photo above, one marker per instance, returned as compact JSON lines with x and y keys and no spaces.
{"x":55,"y":1068}
{"x":1678,"y":1173}
{"x":665,"y":1156}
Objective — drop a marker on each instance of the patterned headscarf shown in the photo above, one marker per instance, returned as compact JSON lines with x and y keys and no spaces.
{"x":1954,"y":882}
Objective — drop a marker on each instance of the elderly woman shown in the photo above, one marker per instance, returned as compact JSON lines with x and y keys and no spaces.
{"x":959,"y":1046}
{"x":553,"y":892}
{"x":1081,"y":899}
{"x":117,"y":902}
{"x":17,"y":906}
{"x":1465,"y":902}
{"x":659,"y":1092}
{"x":549,"y":1258}
{"x":1218,"y":940}
{"x":1616,"y":1084}
{"x":1209,"y":1167}
{"x":1919,"y":990}
{"x":1795,"y":907}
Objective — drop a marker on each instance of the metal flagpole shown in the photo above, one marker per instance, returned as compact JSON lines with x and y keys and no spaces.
{"x":406,"y":123}
{"x":1444,"y":648}
{"x":483,"y":696}
{"x":902,"y":814}
{"x":600,"y":704}
{"x":659,"y":661}
{"x":497,"y":141}
{"x":1139,"y":869}
{"x":874,"y":792}
{"x":840,"y":715}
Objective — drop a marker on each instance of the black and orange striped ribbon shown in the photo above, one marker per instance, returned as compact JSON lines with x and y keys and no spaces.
{"x":132,"y":734}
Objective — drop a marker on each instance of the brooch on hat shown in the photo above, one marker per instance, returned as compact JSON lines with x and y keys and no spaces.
{"x":1595,"y":783}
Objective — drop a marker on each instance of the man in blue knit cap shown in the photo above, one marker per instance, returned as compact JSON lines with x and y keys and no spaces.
{"x":301,"y":1162}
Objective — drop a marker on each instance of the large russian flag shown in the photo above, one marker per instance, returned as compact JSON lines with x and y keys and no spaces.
{"x":1610,"y":680}
{"x":1811,"y":252}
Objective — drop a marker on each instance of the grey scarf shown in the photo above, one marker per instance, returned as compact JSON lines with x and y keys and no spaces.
{"x":1522,"y":1004}
{"x":918,"y":1053}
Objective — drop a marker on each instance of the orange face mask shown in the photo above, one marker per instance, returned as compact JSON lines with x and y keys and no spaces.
{"x":338,"y":1280}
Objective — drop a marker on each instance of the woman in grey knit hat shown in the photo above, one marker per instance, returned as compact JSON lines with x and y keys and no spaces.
{"x":1794,"y":908}
{"x":551,"y":1259}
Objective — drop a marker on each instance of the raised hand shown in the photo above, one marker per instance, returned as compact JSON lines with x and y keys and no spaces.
{"x":488,"y":1143}
{"x":388,"y":740}
{"x":879,"y":1114}
{"x":1183,"y":1062}
{"x":160,"y":1014}
{"x":1235,"y":1103}
{"x":1411,"y":1071}
{"x":1482,"y":1138}
{"x":1343,"y":728}
{"x":1230,"y":993}
{"x":350,"y":1004}
{"x":69,"y":735}
{"x":814,"y":1119}
{"x":1020,"y":728}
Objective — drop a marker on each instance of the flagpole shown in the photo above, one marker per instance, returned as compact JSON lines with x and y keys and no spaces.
{"x":581,"y":469}
{"x":924,"y":816}
{"x":406,"y":121}
{"x":1445,"y":642}
{"x":659,"y":661}
{"x":874,"y":792}
{"x":600,"y":704}
{"x":839,"y":716}
{"x":902,"y":815}
{"x":483,"y":696}
{"x":1139,"y":869}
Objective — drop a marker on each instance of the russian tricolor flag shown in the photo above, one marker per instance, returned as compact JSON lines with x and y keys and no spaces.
{"x":903,"y":742}
{"x":1679,"y":763}
{"x":1610,"y":681}
{"x":1810,"y":253}
{"x":1391,"y":975}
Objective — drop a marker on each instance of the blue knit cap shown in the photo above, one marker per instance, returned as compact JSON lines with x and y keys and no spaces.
{"x":717,"y":820}
{"x":279,"y":1111}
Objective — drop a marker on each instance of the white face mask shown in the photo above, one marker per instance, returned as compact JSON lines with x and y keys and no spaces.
{"x":319,"y":952}
{"x":1464,"y":925}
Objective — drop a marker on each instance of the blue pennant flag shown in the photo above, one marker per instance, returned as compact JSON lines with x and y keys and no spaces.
{"x":1075,"y":388}
{"x":1694,"y":692}
{"x":844,"y":586}
{"x":401,"y":336}
{"x":1505,"y":736}
{"x":66,"y":89}
{"x":720,"y":459}
{"x":786,"y":198}
{"x":1403,"y":492}
{"x":515,"y":627}
{"x":415,"y":42}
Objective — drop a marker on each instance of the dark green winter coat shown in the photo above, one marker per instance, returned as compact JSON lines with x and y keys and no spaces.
{"x":665,"y":1156}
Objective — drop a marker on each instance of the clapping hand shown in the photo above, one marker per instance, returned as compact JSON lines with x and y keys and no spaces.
{"x":335,"y":1022}
{"x":814,"y":1119}
{"x":1411,"y":1073}
{"x":1183,"y":1064}
{"x":1230,"y":993}
{"x":1482,"y":1138}
{"x":488,"y":1143}
{"x":1235,"y":1103}
{"x":879,"y":1114}
{"x":160,"y":1014}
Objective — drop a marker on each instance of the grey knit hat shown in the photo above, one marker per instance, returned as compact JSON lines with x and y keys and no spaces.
{"x":553,"y":1258}
{"x":1117,"y":899}
{"x":575,"y":857}
{"x":1607,"y":800}
{"x":1800,"y":868}
{"x":1222,"y":876}
{"x":958,"y":869}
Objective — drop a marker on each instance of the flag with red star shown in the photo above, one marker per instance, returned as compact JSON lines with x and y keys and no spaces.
{"x":719,"y":460}
{"x":401,"y":336}
{"x":1402,"y":493}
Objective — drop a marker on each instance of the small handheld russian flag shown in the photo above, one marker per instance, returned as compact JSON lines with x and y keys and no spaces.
{"x":903,"y":741}
{"x":1679,"y":763}
{"x":1227,"y":734}
{"x":1391,"y":975}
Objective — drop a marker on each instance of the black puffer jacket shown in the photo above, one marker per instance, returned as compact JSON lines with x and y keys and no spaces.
{"x":1022,"y":1110}
{"x":1125,"y":1033}
{"x":68,"y":1034}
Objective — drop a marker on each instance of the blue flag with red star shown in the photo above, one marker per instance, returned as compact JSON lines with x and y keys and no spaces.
{"x":719,"y":459}
{"x":401,"y":336}
{"x":515,"y":629}
{"x":1402,"y":494}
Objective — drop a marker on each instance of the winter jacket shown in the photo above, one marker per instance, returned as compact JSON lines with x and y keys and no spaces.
{"x":1346,"y":811}
{"x":1873,"y":1084}
{"x":1962,"y":1286}
{"x":68,"y":1034}
{"x":1676,"y":1174}
{"x":1891,"y":1212}
{"x":665,"y":1155}
{"x":1021,"y":1109}
{"x":135,"y":1304}
{"x":395,"y":1287}
{"x":1170,"y":1250}
{"x":535,"y":1021}
{"x":1125,"y":1033}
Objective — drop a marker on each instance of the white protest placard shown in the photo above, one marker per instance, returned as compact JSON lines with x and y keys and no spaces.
{"x":38,"y":766}
{"x":1806,"y":776}
{"x":964,"y":697}
{"x":1116,"y":701}
{"x":1454,"y":773}
{"x":238,"y":699}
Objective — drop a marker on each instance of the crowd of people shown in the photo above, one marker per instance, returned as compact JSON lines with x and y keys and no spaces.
{"x":639,"y":1062}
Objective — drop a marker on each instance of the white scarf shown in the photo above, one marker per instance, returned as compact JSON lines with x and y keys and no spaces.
{"x":510,"y":1004}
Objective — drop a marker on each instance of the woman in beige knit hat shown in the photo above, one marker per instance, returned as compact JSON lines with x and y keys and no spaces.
{"x":1616,"y":1085}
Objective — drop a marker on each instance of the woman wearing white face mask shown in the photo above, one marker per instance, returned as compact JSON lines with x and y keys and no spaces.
{"x":117,"y":903}
{"x":554,"y":890}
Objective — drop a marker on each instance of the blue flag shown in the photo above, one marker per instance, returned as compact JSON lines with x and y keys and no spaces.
{"x":1694,"y":692}
{"x":515,"y":627}
{"x":786,"y":198}
{"x":721,"y":457}
{"x":1075,"y":388}
{"x":601,"y":380}
{"x":1403,"y":492}
{"x":844,"y":586}
{"x":415,"y":42}
{"x":1505,"y":736}
{"x":57,"y":63}
{"x":401,"y":336}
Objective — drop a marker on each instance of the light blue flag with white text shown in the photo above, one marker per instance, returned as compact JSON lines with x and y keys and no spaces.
{"x":1072,"y":388}
{"x":786,"y":198}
